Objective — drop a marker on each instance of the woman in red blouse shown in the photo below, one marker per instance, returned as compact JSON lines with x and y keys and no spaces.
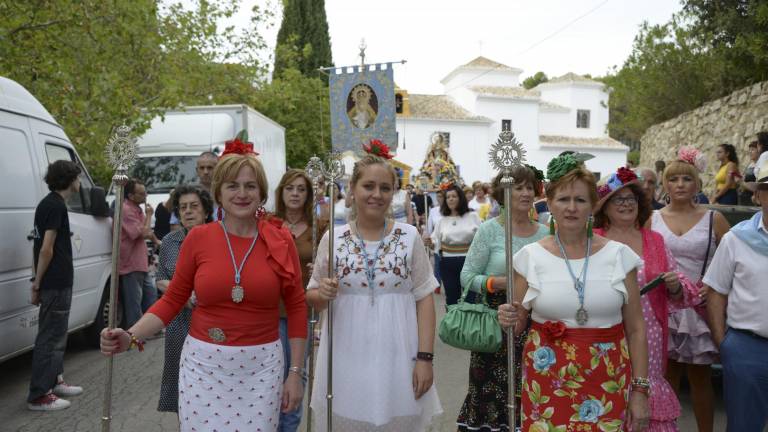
{"x":240,"y":270}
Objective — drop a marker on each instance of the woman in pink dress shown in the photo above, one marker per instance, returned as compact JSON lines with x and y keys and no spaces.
{"x":691,"y":232}
{"x":620,"y":214}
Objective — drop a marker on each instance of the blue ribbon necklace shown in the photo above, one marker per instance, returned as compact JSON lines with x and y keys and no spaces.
{"x":238,"y":293}
{"x":370,"y":264}
{"x":578,"y":282}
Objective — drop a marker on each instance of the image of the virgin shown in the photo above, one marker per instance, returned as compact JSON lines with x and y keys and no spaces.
{"x":362,"y":106}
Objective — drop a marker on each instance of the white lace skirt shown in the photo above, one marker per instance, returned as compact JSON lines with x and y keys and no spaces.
{"x":228,"y":388}
{"x":373,"y":361}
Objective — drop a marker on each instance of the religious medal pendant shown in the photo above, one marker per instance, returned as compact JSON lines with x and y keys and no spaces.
{"x":582,"y":316}
{"x":237,"y":293}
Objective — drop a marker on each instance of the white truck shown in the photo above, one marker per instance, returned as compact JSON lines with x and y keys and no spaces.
{"x":168,"y":150}
{"x":31,"y":140}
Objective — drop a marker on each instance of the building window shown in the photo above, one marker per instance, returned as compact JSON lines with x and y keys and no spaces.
{"x":582,"y":119}
{"x":506,"y":125}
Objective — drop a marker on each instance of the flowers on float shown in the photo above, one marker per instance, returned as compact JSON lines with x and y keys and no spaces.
{"x":543,"y":358}
{"x":377,"y":148}
{"x":590,"y":410}
{"x":239,"y":145}
{"x":539,"y":426}
{"x":692,"y":156}
{"x":561,"y":166}
{"x":617,"y":180}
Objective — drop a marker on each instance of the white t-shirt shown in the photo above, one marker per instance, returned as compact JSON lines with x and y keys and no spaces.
{"x":743,"y":281}
{"x":551,"y":295}
{"x":456,"y":233}
{"x":434,"y":218}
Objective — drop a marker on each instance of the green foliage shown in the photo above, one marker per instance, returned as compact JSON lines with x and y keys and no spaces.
{"x":710,"y":49}
{"x":299,"y":103}
{"x":633,"y":158}
{"x":303,"y":41}
{"x":536,"y":79}
{"x":95,"y":64}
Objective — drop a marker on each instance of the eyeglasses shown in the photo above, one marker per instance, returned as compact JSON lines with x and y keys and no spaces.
{"x":624,"y":200}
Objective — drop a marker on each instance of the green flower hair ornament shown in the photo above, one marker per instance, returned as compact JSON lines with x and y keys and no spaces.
{"x":561,"y":166}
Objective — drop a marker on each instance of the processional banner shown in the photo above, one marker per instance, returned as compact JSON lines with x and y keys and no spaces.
{"x":362,"y":107}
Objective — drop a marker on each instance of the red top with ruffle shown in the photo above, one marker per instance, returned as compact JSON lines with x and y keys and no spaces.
{"x":272,"y":273}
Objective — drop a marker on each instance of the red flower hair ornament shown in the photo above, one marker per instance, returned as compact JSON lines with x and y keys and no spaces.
{"x":377,"y":148}
{"x":239,"y":145}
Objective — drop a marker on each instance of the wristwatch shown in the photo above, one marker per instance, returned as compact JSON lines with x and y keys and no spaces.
{"x":425,"y":356}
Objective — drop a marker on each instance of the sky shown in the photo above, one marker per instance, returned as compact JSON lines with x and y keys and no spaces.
{"x":435,"y":36}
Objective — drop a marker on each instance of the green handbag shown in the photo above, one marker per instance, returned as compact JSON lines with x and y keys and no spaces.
{"x":471,"y":326}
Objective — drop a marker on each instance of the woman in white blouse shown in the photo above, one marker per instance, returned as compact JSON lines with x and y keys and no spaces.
{"x":452,"y":237}
{"x":586,"y":352}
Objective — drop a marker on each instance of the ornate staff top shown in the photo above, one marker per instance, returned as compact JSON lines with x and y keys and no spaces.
{"x":121,"y":151}
{"x":507,"y":153}
{"x":333,"y":169}
{"x":314,"y":168}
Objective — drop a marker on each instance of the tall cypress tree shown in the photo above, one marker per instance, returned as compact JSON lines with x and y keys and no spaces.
{"x":303,"y":41}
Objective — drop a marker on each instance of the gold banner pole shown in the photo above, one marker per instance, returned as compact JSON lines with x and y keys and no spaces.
{"x":508,"y":153}
{"x":121,"y":154}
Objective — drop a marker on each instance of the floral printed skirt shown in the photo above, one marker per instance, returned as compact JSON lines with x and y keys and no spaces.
{"x":575,"y":379}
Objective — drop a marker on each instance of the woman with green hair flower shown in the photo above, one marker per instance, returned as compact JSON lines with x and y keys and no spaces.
{"x":585,"y":362}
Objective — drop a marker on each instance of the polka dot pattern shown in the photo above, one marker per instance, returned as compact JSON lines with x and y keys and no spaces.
{"x":230,"y":388}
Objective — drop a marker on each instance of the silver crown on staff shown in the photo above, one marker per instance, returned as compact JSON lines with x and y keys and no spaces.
{"x":122,"y":150}
{"x":507,"y":152}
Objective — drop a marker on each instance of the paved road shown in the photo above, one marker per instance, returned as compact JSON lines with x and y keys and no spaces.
{"x":136,"y":387}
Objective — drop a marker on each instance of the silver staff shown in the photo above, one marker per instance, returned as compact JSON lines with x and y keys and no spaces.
{"x":121,"y":154}
{"x":424,"y":186}
{"x":506,"y":154}
{"x":332,"y":169}
{"x":315,"y":172}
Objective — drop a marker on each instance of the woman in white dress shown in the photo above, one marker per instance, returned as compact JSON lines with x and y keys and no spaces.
{"x":384,"y":316}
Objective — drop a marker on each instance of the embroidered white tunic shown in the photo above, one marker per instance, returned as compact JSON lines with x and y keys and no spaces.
{"x":374,"y":343}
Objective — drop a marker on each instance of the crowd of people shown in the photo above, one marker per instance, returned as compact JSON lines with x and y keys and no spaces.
{"x":623,"y":287}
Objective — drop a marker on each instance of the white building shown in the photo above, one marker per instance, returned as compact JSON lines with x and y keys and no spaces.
{"x":482,"y":97}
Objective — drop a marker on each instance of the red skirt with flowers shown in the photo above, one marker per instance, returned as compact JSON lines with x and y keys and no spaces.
{"x":575,"y":379}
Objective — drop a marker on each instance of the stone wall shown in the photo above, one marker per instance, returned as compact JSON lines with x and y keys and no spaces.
{"x":733,"y":119}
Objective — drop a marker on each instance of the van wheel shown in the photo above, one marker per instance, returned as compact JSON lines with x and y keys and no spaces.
{"x":93,"y":332}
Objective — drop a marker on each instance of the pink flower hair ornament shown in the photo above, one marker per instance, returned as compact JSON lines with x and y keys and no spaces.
{"x":693,"y":156}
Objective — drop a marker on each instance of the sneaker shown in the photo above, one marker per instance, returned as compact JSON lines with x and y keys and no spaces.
{"x":65,"y":390}
{"x":48,"y":402}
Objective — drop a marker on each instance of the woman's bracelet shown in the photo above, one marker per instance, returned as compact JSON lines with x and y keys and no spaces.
{"x":138,"y":343}
{"x":297,"y":370}
{"x":425,"y":356}
{"x":489,"y":284}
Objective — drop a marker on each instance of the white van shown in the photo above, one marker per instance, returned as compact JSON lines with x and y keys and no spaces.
{"x":31,"y":139}
{"x":168,"y":150}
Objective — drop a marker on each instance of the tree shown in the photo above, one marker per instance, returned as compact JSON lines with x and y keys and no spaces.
{"x":96,"y":64}
{"x":536,"y":79}
{"x":738,"y":32}
{"x":303,"y":41}
{"x":669,"y":71}
{"x":299,"y":103}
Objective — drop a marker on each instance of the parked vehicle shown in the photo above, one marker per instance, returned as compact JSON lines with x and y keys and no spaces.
{"x":31,"y":140}
{"x":168,"y":150}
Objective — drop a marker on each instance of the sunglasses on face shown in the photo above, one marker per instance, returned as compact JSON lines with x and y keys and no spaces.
{"x":629,"y":200}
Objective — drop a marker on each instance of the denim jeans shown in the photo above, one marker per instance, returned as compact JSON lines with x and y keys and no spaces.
{"x":51,"y":340}
{"x":745,"y":380}
{"x":148,"y":292}
{"x":289,"y":422}
{"x":131,"y":293}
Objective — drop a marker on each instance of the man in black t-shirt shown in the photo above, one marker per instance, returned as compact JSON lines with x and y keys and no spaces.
{"x":52,"y":289}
